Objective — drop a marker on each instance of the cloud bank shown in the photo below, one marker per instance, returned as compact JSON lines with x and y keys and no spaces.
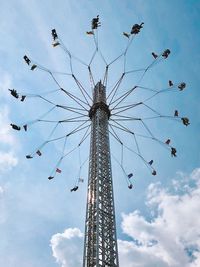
{"x":67,"y":247}
{"x":172,"y":237}
{"x":7,"y":140}
{"x":168,"y":237}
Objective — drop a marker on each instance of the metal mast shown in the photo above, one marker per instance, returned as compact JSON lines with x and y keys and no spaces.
{"x":100,"y":248}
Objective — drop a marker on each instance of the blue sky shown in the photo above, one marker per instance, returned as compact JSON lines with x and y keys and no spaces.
{"x":42,"y":222}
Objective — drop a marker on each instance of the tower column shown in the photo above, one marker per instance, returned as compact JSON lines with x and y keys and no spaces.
{"x":100,"y":246}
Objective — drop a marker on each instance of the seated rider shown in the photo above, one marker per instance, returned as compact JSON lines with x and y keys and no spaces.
{"x":185,"y":121}
{"x":14,"y":93}
{"x":176,"y":113}
{"x":54,"y":34}
{"x":15,"y":127}
{"x":167,"y":142}
{"x":136,"y":28}
{"x":166,"y":53}
{"x":74,"y":189}
{"x":33,"y":67}
{"x":150,"y":162}
{"x":23,"y":97}
{"x":154,"y":55}
{"x":27,"y":60}
{"x":130,"y":186}
{"x":181,"y":86}
{"x":153,"y":172}
{"x":95,"y":23}
{"x":173,"y":152}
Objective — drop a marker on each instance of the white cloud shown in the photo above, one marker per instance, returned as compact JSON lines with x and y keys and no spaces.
{"x":5,"y":83}
{"x":7,"y":161}
{"x":67,"y":247}
{"x":130,"y":255}
{"x":8,"y":142}
{"x":6,"y":136}
{"x":3,"y":213}
{"x":169,"y":239}
{"x":1,"y":190}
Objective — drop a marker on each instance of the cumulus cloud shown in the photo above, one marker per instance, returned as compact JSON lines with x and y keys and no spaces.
{"x":67,"y":247}
{"x":3,"y":213}
{"x":7,"y":161}
{"x":1,"y":190}
{"x":5,"y":83}
{"x":6,"y":136}
{"x":170,"y":238}
{"x":8,"y":142}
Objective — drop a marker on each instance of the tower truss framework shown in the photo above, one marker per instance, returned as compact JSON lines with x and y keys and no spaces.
{"x":100,"y":248}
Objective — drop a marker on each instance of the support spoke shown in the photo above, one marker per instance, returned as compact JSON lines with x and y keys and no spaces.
{"x":82,"y":89}
{"x":115,"y":89}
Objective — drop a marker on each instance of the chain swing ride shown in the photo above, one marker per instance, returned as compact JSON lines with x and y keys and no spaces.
{"x":100,"y":115}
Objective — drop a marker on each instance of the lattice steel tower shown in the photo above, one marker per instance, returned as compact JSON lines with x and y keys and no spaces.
{"x":100,"y":248}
